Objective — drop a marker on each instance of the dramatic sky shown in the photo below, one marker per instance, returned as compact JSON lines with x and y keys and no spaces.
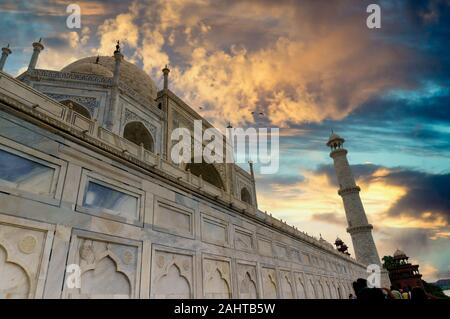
{"x":308,"y":66}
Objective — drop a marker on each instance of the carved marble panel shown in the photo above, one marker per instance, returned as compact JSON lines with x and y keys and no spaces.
{"x":23,"y":258}
{"x":270,"y":284}
{"x":281,"y":251}
{"x":295,"y":256}
{"x":306,"y":259}
{"x":216,"y":279}
{"x":172,"y":275}
{"x":173,"y":218}
{"x":110,"y":268}
{"x":264,"y":246}
{"x":247,"y":281}
{"x":243,"y":239}
{"x":214,"y":231}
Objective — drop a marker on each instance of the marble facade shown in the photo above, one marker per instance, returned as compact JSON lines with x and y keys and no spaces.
{"x":138,"y":226}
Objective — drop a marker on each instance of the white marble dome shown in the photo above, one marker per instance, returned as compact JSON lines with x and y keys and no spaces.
{"x":399,"y":253}
{"x":130,"y":74}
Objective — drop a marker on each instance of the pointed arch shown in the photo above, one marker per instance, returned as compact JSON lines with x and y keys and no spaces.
{"x":217,"y":286}
{"x":311,"y":290}
{"x":173,"y":284}
{"x":137,"y":133}
{"x":208,"y":172}
{"x":245,"y":195}
{"x":76,"y":107}
{"x":288,"y":292}
{"x":320,"y":290}
{"x":328,"y":294}
{"x":105,"y":280}
{"x":247,"y":288}
{"x":301,"y":292}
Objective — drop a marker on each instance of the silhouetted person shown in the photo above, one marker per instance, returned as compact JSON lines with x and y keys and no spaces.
{"x":396,"y":293}
{"x":417,"y":293}
{"x":364,"y":293}
{"x":359,"y":285}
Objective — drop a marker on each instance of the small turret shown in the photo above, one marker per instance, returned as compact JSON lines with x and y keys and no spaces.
{"x":5,"y":52}
{"x":166,"y":72}
{"x":37,"y":48}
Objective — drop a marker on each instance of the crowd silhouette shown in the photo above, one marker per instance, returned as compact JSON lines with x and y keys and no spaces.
{"x":363,"y":292}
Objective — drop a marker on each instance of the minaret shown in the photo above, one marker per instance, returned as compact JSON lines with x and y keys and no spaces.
{"x":111,"y":122}
{"x":37,"y":48}
{"x":252,"y":174}
{"x":166,"y":72}
{"x":5,"y":52}
{"x":358,"y":226}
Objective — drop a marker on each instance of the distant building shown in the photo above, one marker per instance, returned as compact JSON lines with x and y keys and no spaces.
{"x":404,"y":274}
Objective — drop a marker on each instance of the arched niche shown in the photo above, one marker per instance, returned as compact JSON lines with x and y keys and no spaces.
{"x":14,"y":281}
{"x":287,"y":288}
{"x":105,"y":280}
{"x":246,"y":196}
{"x":270,"y":288}
{"x":320,"y":291}
{"x":217,"y":287}
{"x":301,"y":293}
{"x":247,"y":289}
{"x":311,"y":290}
{"x":173,"y":285}
{"x":208,"y":172}
{"x":137,"y":133}
{"x":76,"y":107}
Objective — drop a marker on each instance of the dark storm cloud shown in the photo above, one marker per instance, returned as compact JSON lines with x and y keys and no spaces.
{"x":57,"y":42}
{"x":425,"y":192}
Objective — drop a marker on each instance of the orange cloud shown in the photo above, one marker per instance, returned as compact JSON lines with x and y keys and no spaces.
{"x":122,"y":27}
{"x":313,"y":203}
{"x":295,"y":77}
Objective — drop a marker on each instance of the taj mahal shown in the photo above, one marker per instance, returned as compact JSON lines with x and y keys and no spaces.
{"x":88,"y":189}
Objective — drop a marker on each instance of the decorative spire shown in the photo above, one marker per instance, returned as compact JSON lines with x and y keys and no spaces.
{"x":166,"y":72}
{"x":335,"y":141}
{"x":5,"y":52}
{"x":117,"y":47}
{"x":37,"y":48}
{"x":113,"y":113}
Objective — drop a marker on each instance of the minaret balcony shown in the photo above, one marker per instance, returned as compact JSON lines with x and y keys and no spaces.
{"x":359,"y":229}
{"x":349,"y":190}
